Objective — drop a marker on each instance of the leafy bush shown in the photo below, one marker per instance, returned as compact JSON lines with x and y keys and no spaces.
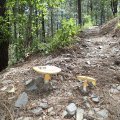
{"x":63,"y":36}
{"x":87,"y":21}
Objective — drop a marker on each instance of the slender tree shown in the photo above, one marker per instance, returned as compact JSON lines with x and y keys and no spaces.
{"x":43,"y":27}
{"x":29,"y":26}
{"x":79,"y":12}
{"x":114,"y":4}
{"x":4,"y":44}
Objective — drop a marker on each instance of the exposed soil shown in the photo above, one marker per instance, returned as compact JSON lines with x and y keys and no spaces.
{"x":92,"y":55}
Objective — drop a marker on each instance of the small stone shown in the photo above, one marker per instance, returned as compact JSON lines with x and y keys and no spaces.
{"x":64,"y":114}
{"x":69,"y":94}
{"x":37,"y":111}
{"x":79,"y":114}
{"x":40,"y":118}
{"x":50,"y":109}
{"x":93,"y":95}
{"x":28,"y":118}
{"x":114,"y":86}
{"x":44,"y":101}
{"x":102,"y":113}
{"x":24,"y":118}
{"x":27,"y":82}
{"x":118,"y":88}
{"x":71,"y":108}
{"x":67,"y":55}
{"x":91,"y":112}
{"x":67,"y":59}
{"x":20,"y":118}
{"x":44,"y":105}
{"x":32,"y":87}
{"x":85,"y":98}
{"x":87,"y":105}
{"x":88,"y":62}
{"x":7,"y":82}
{"x":117,"y":62}
{"x":22,"y":100}
{"x":95,"y":99}
{"x":96,"y":109}
{"x":100,"y":47}
{"x":114,"y":91}
{"x":52,"y":113}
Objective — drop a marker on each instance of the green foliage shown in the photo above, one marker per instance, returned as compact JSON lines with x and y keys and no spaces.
{"x":19,"y":49}
{"x":87,"y":21}
{"x":118,"y":25}
{"x":62,"y":38}
{"x":4,"y":30}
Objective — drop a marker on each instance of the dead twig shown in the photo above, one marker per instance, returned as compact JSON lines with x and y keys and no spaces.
{"x":11,"y":116}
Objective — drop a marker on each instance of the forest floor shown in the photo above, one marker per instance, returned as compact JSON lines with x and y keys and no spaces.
{"x":95,"y":55}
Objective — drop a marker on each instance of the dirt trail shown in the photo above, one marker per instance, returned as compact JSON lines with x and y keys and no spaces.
{"x":93,"y":55}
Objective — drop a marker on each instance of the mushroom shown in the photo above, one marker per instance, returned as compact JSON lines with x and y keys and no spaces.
{"x":85,"y":80}
{"x":47,"y":71}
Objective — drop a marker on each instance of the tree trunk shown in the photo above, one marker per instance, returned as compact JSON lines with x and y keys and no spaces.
{"x":36,"y":22}
{"x":79,"y":12}
{"x":4,"y":44}
{"x":29,"y":36}
{"x":114,"y":4}
{"x":102,"y":19}
{"x":15,"y":21}
{"x":91,"y":9}
{"x":51,"y":21}
{"x":43,"y":27}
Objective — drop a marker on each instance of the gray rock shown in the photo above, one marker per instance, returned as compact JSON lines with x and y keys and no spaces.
{"x":67,"y":59}
{"x":37,"y":111}
{"x":114,"y":91}
{"x":22,"y":100}
{"x":88,"y":62}
{"x":71,"y":108}
{"x":50,"y":109}
{"x":32,"y":87}
{"x":102,"y":113}
{"x":40,"y":118}
{"x":79,"y":114}
{"x":52,"y":113}
{"x":87,"y":105}
{"x":95,"y":99}
{"x":67,"y":55}
{"x":96,"y":109}
{"x":44,"y":105}
{"x":91,"y":112}
{"x":7,"y":82}
{"x":85,"y":98}
{"x":118,"y":88}
{"x":114,"y":86}
{"x":100,"y":47}
{"x":27,"y":82}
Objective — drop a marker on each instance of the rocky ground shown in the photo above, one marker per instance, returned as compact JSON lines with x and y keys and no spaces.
{"x":22,"y":92}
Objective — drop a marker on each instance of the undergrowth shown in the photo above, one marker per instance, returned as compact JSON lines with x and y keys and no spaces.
{"x":62,"y":38}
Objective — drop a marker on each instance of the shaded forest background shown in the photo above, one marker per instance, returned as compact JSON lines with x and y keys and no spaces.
{"x":28,"y":26}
